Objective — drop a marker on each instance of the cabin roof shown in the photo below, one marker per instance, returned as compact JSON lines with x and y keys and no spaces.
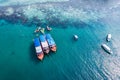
{"x":36,"y":42}
{"x":42,"y":38}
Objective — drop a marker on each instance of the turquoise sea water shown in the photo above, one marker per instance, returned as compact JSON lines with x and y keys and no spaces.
{"x":83,"y":59}
{"x":74,"y":60}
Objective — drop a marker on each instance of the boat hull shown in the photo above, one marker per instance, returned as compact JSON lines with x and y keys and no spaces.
{"x":48,"y":28}
{"x":38,"y":49}
{"x":44,"y":44}
{"x":53,"y":48}
{"x":75,"y":37}
{"x":106,"y":48}
{"x":51,"y":42}
{"x":108,"y":38}
{"x":40,"y":56}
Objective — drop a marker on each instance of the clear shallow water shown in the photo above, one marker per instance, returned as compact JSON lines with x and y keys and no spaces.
{"x":74,"y":60}
{"x":83,"y":59}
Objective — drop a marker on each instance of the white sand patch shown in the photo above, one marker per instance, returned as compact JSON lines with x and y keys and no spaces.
{"x":33,"y":12}
{"x":20,"y":2}
{"x":75,"y":14}
{"x":70,"y":13}
{"x":9,"y":11}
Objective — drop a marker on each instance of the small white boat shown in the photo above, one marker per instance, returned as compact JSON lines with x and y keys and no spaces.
{"x":106,"y":48}
{"x":48,"y":28}
{"x":75,"y":37}
{"x":37,"y":30}
{"x":108,"y":38}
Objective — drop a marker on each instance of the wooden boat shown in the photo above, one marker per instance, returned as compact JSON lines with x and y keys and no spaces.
{"x":38,"y":49}
{"x":36,"y":31}
{"x":44,"y":44}
{"x":48,"y":28}
{"x":51,"y":42}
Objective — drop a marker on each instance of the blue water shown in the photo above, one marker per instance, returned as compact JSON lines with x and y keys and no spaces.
{"x":83,"y":59}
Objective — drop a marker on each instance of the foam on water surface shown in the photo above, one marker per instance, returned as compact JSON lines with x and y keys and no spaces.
{"x":24,"y":2}
{"x":21,"y":2}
